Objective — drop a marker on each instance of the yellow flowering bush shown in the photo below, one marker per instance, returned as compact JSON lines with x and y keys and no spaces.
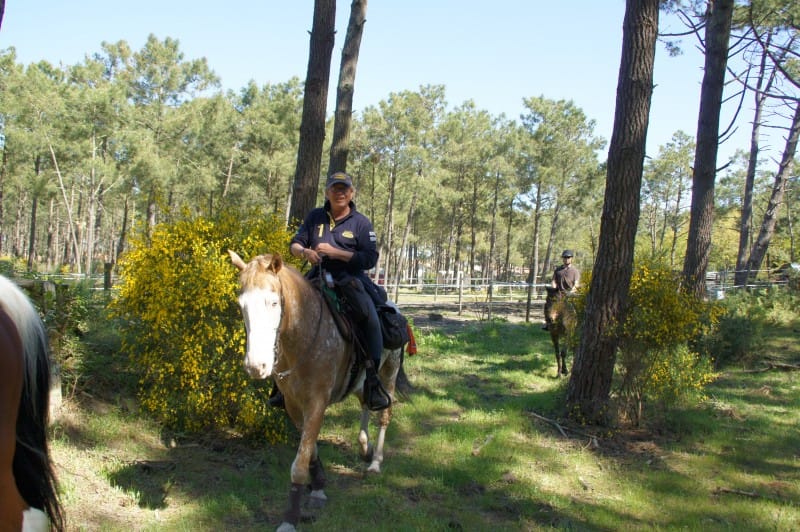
{"x":181,"y":326}
{"x":655,"y":359}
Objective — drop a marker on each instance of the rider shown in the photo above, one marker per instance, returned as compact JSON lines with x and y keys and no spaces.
{"x":565,"y":279}
{"x":341,"y":241}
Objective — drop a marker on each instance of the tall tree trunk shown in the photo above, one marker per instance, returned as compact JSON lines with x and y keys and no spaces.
{"x":507,"y":259}
{"x":761,"y":244}
{"x":315,"y":100}
{"x":473,"y":227}
{"x":593,"y":368}
{"x":340,"y":144}
{"x":492,"y":239}
{"x":698,"y":245}
{"x":389,"y":272}
{"x":68,"y":208}
{"x":534,"y":263}
{"x":406,"y":232}
{"x":123,"y":232}
{"x":746,"y":221}
{"x":32,"y":233}
{"x":50,"y":247}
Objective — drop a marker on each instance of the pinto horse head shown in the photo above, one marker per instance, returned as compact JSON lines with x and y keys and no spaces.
{"x":260,"y":301}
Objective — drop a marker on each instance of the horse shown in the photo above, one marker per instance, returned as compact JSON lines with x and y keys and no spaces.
{"x":293,"y":337}
{"x":562,"y":320}
{"x":28,"y":490}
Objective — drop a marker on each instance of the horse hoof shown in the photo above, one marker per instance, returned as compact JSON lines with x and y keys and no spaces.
{"x":375,"y":468}
{"x":286,"y":527}
{"x":367,"y":456}
{"x":317,"y":500}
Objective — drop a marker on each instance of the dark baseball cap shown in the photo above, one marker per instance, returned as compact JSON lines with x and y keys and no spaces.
{"x":338,"y":177}
{"x":567,"y":253}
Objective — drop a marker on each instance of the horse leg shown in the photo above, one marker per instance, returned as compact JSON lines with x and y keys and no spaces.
{"x":563,"y":361}
{"x":317,"y":499}
{"x":377,"y":454}
{"x":554,"y":338}
{"x":370,"y":453}
{"x":363,"y":434}
{"x":300,"y":469}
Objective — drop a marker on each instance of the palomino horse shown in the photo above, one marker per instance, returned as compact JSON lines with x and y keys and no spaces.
{"x":292,"y":336}
{"x":27,"y":483}
{"x":560,"y":314}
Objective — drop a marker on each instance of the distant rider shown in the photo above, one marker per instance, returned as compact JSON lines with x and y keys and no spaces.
{"x":565,"y":278}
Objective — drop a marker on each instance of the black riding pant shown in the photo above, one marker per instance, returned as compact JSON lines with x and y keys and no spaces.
{"x":365,"y":317}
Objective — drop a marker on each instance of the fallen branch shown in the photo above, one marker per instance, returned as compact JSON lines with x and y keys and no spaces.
{"x":552,"y":422}
{"x":774,"y":365}
{"x":592,"y":438}
{"x":751,"y":494}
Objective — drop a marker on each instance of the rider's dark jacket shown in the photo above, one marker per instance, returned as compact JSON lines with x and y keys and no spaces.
{"x":566,"y":277}
{"x":353,"y":233}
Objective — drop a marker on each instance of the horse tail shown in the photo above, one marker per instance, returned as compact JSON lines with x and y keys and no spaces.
{"x":33,"y":469}
{"x":403,"y":386}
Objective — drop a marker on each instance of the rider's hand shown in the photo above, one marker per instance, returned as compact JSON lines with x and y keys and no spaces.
{"x":312,"y":256}
{"x":324,"y":249}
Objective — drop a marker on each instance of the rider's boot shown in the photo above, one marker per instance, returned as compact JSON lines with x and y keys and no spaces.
{"x":375,"y":395}
{"x":276,"y":398}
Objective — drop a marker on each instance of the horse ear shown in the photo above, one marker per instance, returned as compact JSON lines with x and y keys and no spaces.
{"x":276,"y":263}
{"x":236,"y":260}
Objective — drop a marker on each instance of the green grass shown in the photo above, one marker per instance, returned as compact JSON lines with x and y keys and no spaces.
{"x":463,"y":452}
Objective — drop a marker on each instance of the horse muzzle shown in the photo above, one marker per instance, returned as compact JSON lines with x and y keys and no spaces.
{"x":257,"y":370}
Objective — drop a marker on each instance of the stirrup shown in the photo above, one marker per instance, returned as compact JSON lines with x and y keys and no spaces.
{"x":277,"y":400}
{"x":376,"y":396}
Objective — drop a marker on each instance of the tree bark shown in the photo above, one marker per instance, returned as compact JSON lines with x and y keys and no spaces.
{"x":746,"y":221}
{"x":761,"y":244}
{"x":590,"y":384}
{"x":315,"y":99}
{"x":698,"y":245}
{"x":32,"y":233}
{"x":340,"y":144}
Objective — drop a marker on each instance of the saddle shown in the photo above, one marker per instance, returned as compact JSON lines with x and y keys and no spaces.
{"x":346,"y":328}
{"x":394,"y":327}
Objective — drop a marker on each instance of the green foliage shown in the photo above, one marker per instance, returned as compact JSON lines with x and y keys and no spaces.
{"x":655,"y":361}
{"x":739,"y":337}
{"x":183,"y":330}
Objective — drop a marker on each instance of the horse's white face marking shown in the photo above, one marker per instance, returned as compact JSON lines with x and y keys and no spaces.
{"x":261,"y":310}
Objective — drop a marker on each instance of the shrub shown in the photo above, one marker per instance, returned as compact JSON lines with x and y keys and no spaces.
{"x":739,"y":336}
{"x":655,"y":360}
{"x":183,"y":331}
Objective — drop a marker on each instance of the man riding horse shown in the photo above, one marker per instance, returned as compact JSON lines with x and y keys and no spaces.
{"x":565,"y":280}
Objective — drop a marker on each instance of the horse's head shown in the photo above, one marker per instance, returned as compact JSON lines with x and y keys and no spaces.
{"x":553,"y":308}
{"x":260,"y":301}
{"x":553,"y":294}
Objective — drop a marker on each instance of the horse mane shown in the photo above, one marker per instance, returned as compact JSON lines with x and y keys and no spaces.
{"x":29,"y":327}
{"x":33,"y":469}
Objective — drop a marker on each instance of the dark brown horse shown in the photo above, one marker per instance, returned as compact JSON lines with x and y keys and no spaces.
{"x":562,"y":320}
{"x":28,"y":493}
{"x":292,"y":337}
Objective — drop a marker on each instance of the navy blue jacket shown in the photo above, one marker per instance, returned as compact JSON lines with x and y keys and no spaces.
{"x":353,"y":233}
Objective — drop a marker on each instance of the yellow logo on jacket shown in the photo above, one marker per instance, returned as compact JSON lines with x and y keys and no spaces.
{"x":347,"y":234}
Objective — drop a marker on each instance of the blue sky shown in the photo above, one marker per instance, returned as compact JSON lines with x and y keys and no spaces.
{"x":494,"y":53}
